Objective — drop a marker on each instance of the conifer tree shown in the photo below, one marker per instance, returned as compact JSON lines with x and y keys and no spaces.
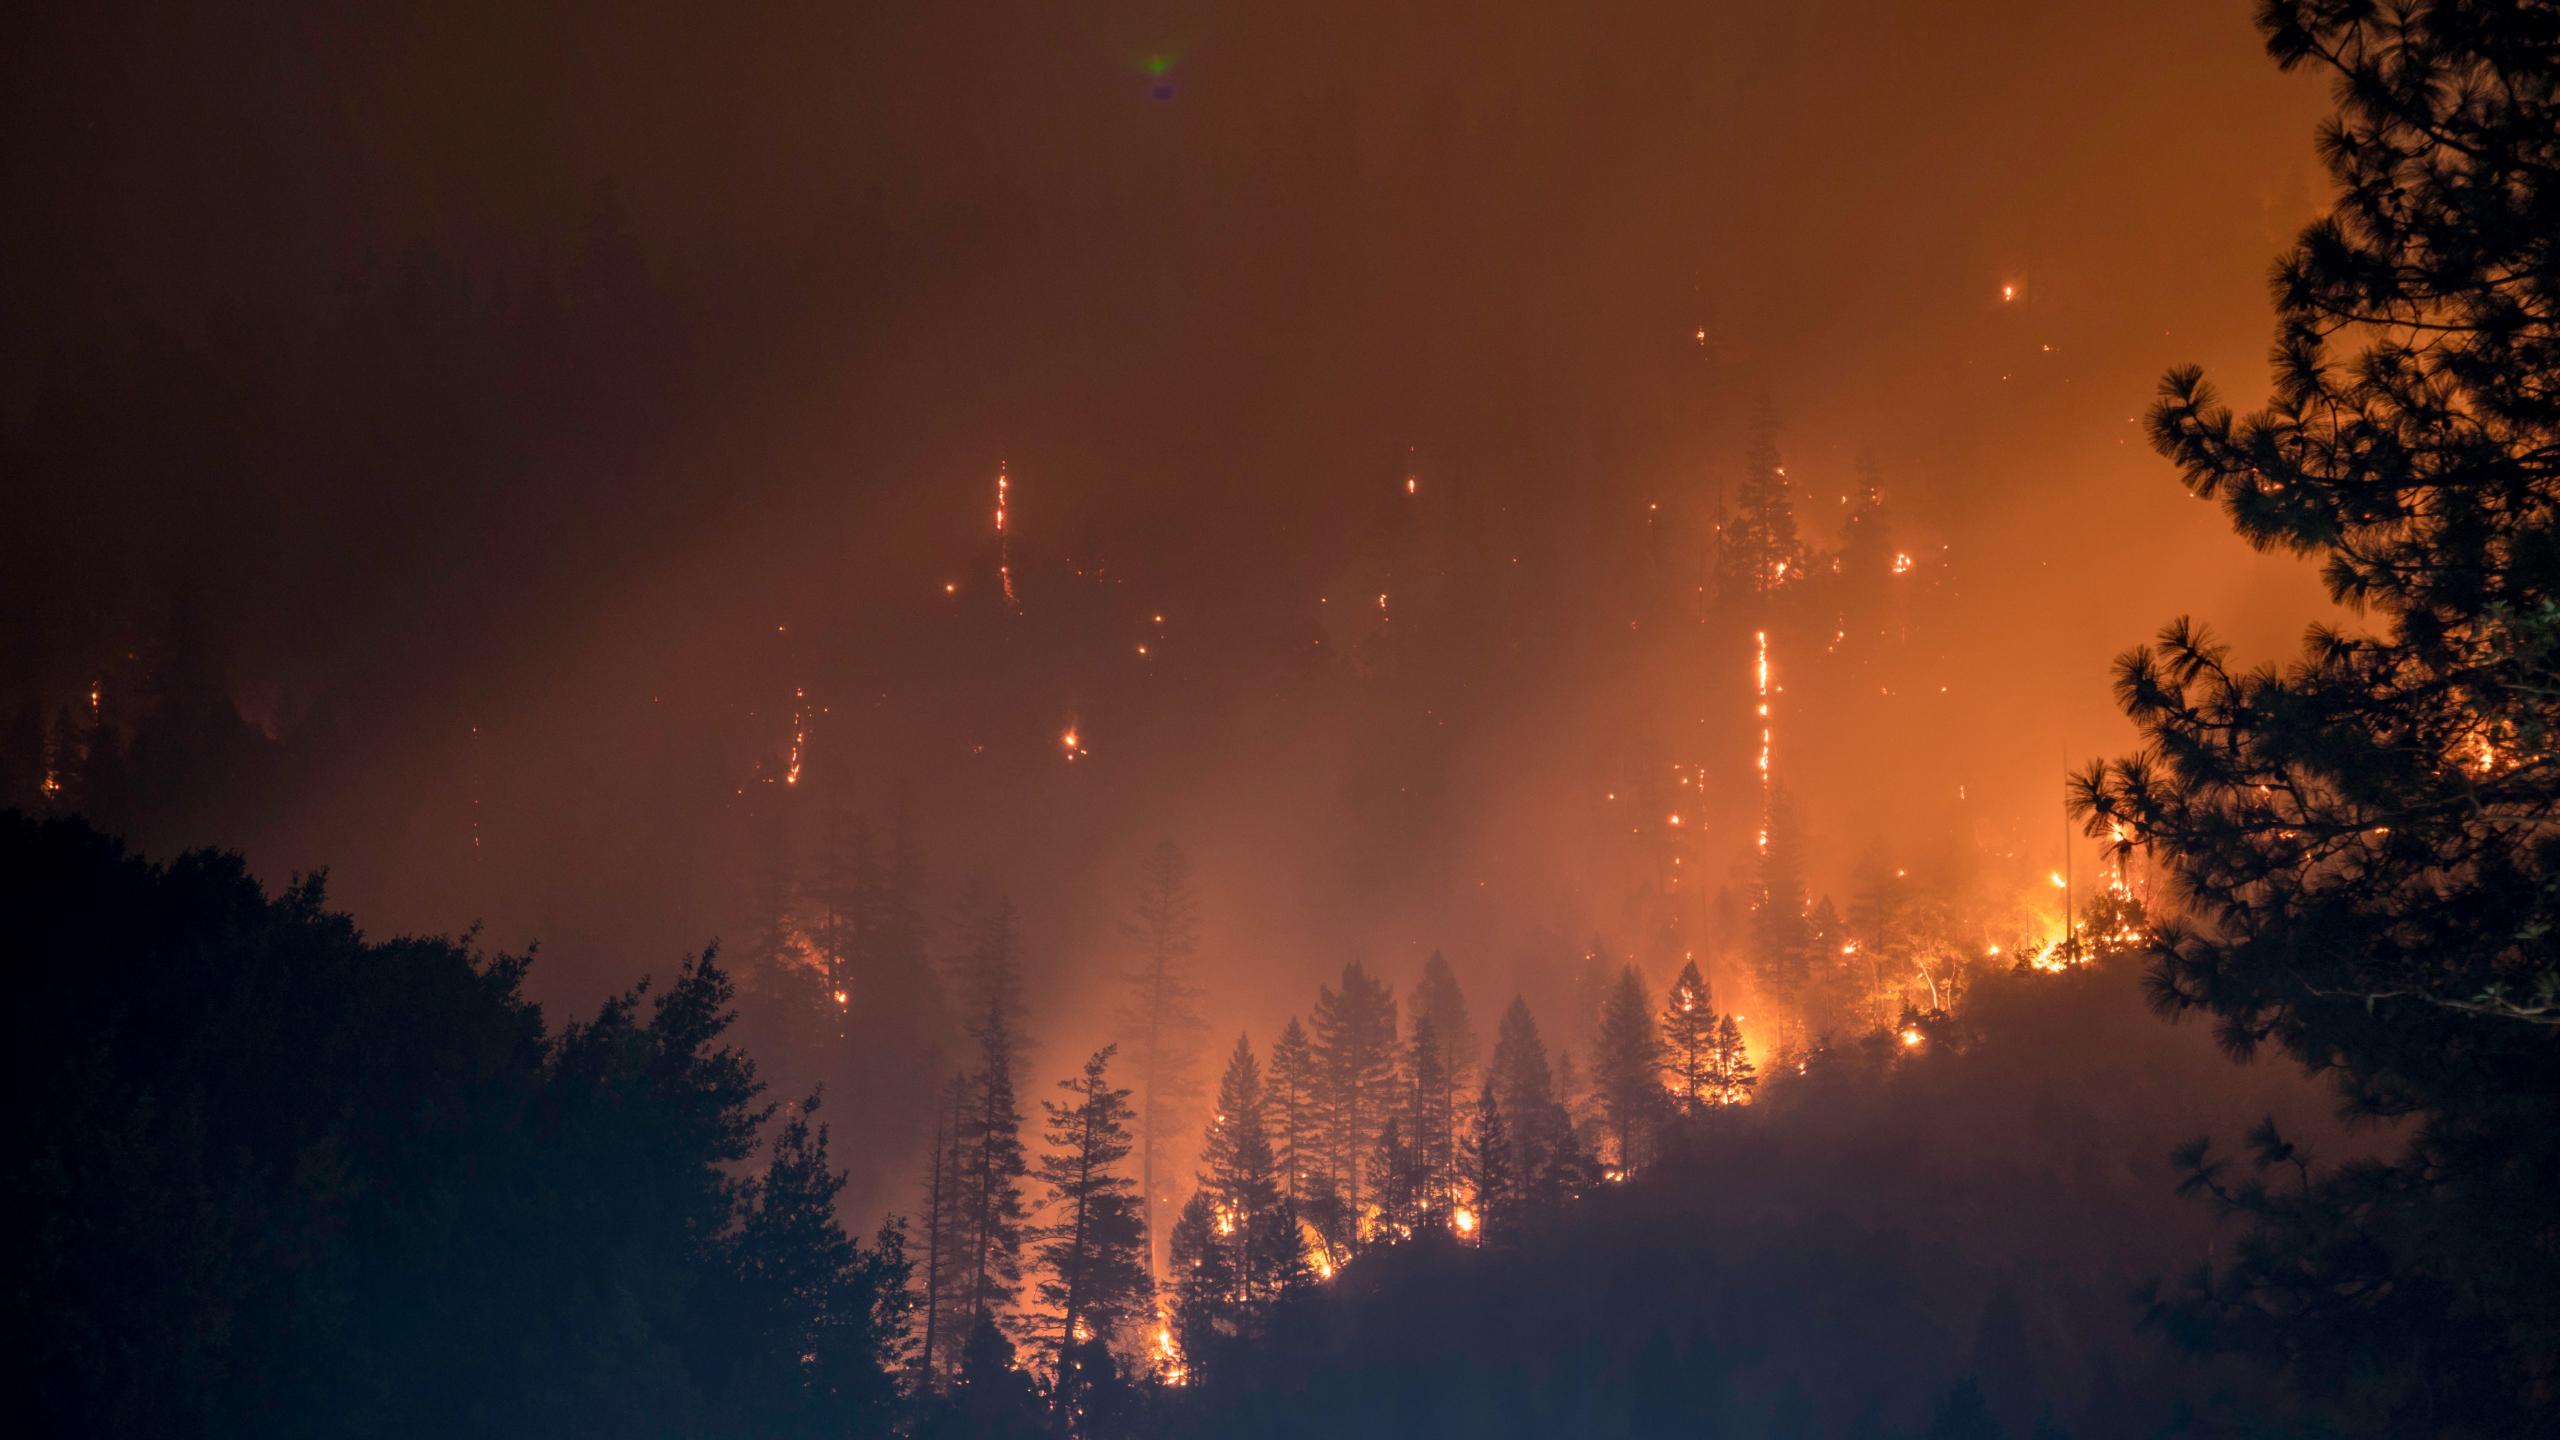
{"x":1491,"y":1170}
{"x":1161,"y":1016}
{"x":1355,"y":1046}
{"x":1688,"y":1035}
{"x":1256,"y":1223}
{"x":1428,"y":1122}
{"x":1297,"y":1128}
{"x":1094,"y":1248}
{"x":1394,"y":1185}
{"x":945,"y":1235}
{"x":1438,"y":1000}
{"x":1522,"y":1084}
{"x":1203,"y":1281}
{"x":2366,"y":838}
{"x":990,"y":1162}
{"x":1758,"y":551}
{"x":1729,"y":1073}
{"x":1781,"y":940}
{"x":1627,"y":1069}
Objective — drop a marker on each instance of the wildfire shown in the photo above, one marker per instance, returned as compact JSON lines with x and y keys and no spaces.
{"x":842,"y":999}
{"x":1074,"y":744}
{"x":1004,"y":535}
{"x":1902,"y":564}
{"x":1911,"y":1038}
{"x":799,"y":737}
{"x":1760,"y":678}
{"x":1169,"y":1357}
{"x":1464,"y":1220}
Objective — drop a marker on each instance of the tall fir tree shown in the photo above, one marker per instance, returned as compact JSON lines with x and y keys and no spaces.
{"x":1524,"y":1088}
{"x":991,"y":1162}
{"x":1429,"y":1122}
{"x":1202,"y":1277}
{"x":1297,"y":1122}
{"x":1730,"y":1074}
{"x":1161,"y":1018}
{"x":1093,"y":1250}
{"x":1781,"y":938}
{"x":1758,"y":550}
{"x":2365,"y":839}
{"x":1688,"y":1037}
{"x":945,"y":1238}
{"x":1256,"y":1222}
{"x":1627,"y":1070}
{"x":1355,"y":1047}
{"x":1491,"y":1168}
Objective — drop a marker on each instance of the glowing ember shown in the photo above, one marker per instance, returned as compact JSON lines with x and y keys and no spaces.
{"x":799,"y":737}
{"x":1464,"y":1220}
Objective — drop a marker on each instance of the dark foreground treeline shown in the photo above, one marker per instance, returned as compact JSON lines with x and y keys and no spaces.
{"x":269,"y":1178}
{"x":272,"y":1178}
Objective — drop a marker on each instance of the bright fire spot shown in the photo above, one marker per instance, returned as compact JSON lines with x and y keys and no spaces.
{"x":2058,"y":882}
{"x":1464,"y":1219}
{"x":1073,"y":742}
{"x":1411,"y":484}
{"x":949,"y":588}
{"x":1901,"y":564}
{"x":799,"y":737}
{"x":2008,"y":293}
{"x":1169,"y":1358}
{"x":1910,"y":1038}
{"x":842,"y":998}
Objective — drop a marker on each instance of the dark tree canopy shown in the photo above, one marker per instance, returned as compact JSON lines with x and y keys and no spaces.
{"x":2366,"y":840}
{"x":274,"y":1178}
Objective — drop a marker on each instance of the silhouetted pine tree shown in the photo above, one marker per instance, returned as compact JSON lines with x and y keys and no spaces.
{"x":1203,"y":1281}
{"x":1094,"y":1248}
{"x":1297,"y":1121}
{"x":1627,"y":1070}
{"x":1258,"y":1226}
{"x":1491,"y":1170}
{"x":1428,"y":1121}
{"x":1394,"y":1185}
{"x":1781,"y":941}
{"x":1355,"y":1047}
{"x":2366,"y":837}
{"x":1438,"y":999}
{"x":990,"y":1160}
{"x":1757,"y":548}
{"x":1688,"y":1035}
{"x":1161,"y":1016}
{"x":945,"y":1240}
{"x":1730,"y":1074}
{"x":809,"y":1321}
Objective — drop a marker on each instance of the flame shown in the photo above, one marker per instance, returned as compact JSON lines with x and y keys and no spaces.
{"x":1464,"y":1220}
{"x":1760,"y":679}
{"x":1169,"y":1356}
{"x":799,"y":737}
{"x":1910,"y":1038}
{"x":1004,"y":537}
